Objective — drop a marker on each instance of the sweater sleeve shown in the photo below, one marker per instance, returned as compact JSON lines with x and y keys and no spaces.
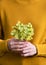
{"x":3,"y":47}
{"x":3,"y":43}
{"x":41,"y":50}
{"x":41,"y":45}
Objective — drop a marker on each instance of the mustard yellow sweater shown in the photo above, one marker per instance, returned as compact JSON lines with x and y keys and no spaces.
{"x":26,"y":11}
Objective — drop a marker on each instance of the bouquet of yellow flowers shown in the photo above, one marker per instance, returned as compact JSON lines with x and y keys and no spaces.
{"x":23,"y":31}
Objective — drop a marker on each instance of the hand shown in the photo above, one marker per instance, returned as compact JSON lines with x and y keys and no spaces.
{"x":28,"y":49}
{"x":14,"y":45}
{"x":24,"y":48}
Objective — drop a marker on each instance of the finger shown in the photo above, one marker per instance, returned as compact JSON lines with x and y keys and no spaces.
{"x":21,"y":43}
{"x":14,"y":43}
{"x":15,"y":40}
{"x":16,"y":46}
{"x":17,"y":43}
{"x":29,"y":50}
{"x":26,"y":48}
{"x":26,"y":51}
{"x":16,"y":49}
{"x":27,"y":54}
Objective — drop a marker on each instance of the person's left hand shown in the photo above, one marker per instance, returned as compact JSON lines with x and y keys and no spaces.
{"x":28,"y":49}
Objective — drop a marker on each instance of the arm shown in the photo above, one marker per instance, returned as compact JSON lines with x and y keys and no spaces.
{"x":41,"y":46}
{"x":41,"y":50}
{"x":3,"y":43}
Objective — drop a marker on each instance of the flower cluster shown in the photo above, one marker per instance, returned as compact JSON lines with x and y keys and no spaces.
{"x":23,"y":31}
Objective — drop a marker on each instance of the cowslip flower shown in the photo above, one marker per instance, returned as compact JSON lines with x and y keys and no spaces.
{"x":23,"y":31}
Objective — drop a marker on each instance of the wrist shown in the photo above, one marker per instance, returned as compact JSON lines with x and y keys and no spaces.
{"x":36,"y":51}
{"x":8,"y":44}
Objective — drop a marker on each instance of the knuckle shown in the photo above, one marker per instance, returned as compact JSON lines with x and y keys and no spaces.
{"x":23,"y":51}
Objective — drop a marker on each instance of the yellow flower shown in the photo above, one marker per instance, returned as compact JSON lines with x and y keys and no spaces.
{"x":23,"y":31}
